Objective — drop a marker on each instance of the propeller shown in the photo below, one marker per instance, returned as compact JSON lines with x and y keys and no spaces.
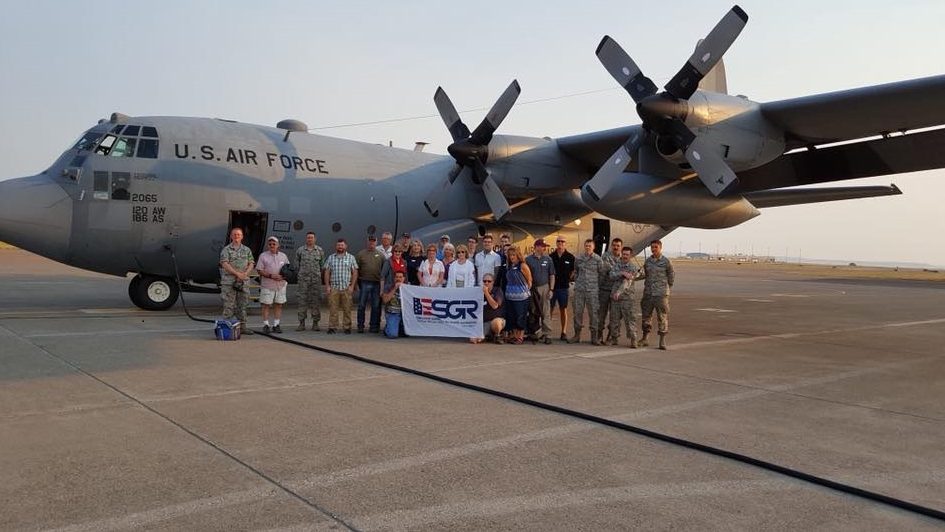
{"x":664,"y":113}
{"x":471,"y":150}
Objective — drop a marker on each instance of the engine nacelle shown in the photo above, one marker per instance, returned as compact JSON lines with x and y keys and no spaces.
{"x":642,"y":198}
{"x":734,"y":124}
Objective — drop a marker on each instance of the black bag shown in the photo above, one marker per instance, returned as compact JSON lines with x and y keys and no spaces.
{"x":289,"y":273}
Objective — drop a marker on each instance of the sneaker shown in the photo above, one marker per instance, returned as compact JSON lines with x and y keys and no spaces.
{"x":347,"y":331}
{"x":331,"y":331}
{"x":266,"y":329}
{"x":277,"y":329}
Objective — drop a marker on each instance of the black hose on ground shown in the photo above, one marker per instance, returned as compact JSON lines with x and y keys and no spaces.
{"x":708,"y":449}
{"x":180,"y":291}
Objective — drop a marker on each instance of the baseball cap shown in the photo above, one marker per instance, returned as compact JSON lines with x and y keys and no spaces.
{"x":445,"y":237}
{"x":272,"y":239}
{"x":540,"y":243}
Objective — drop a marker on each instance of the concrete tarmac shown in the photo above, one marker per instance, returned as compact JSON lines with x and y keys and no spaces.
{"x":113,"y":418}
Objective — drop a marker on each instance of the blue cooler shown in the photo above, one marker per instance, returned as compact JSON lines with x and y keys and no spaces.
{"x":227,"y":329}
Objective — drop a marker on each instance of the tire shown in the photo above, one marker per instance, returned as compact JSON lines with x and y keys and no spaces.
{"x":151,"y":292}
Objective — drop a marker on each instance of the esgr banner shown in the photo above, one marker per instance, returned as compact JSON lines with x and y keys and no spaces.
{"x":450,"y":312}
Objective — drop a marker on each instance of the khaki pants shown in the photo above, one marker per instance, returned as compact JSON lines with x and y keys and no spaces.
{"x":339,"y":299}
{"x":661,"y":305}
{"x":542,"y":295}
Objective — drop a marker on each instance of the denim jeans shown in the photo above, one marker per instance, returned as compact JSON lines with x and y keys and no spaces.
{"x":392,"y":325}
{"x":369,"y":293}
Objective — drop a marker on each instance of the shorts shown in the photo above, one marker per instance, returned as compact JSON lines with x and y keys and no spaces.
{"x":268,"y":296}
{"x":559,"y":296}
{"x":487,"y":327}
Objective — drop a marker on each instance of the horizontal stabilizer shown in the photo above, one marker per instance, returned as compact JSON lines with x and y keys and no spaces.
{"x":800,"y":196}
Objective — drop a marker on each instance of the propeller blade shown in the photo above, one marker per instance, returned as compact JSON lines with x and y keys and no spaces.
{"x":497,"y":202}
{"x":624,"y":70}
{"x":480,"y":173}
{"x":715,"y":174}
{"x":500,"y":109}
{"x":435,"y":197}
{"x":607,"y":175}
{"x":454,"y":124}
{"x":707,"y":54}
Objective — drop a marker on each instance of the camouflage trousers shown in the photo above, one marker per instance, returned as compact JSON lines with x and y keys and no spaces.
{"x":605,"y":308}
{"x":622,"y":311}
{"x":661,"y":305}
{"x":580,"y":300}
{"x":339,"y":300}
{"x":310,"y":299}
{"x":235,"y":303}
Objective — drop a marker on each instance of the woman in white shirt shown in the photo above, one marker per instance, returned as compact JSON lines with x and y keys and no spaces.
{"x":431,"y":270}
{"x":462,"y":270}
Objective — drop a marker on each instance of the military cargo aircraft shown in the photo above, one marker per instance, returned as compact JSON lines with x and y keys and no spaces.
{"x":132,"y":190}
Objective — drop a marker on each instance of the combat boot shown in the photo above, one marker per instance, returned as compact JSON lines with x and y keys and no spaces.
{"x":576,"y":338}
{"x":613,"y":340}
{"x":633,"y":342}
{"x":595,"y":338}
{"x":663,"y":341}
{"x":301,"y":326}
{"x":643,"y":342}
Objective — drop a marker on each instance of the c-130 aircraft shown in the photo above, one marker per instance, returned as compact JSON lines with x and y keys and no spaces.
{"x":133,"y":190}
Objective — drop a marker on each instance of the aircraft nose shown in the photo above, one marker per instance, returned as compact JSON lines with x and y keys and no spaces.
{"x":36,"y":215}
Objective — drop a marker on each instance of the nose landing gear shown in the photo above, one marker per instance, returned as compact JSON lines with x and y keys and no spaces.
{"x":152,"y":292}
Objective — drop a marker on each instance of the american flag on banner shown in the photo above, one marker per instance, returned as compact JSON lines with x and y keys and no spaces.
{"x":423,"y":306}
{"x":445,"y":312}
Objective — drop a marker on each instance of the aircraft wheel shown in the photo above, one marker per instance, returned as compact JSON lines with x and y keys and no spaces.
{"x":151,"y":292}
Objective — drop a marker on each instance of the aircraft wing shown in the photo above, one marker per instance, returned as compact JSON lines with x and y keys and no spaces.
{"x":894,"y":155}
{"x":593,"y":149}
{"x":859,"y":113}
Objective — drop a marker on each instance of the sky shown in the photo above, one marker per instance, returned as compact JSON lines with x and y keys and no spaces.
{"x":64,"y":65}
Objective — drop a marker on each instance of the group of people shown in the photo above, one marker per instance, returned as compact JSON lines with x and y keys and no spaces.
{"x":519,"y":292}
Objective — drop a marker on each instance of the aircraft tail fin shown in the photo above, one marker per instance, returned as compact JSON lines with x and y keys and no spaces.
{"x":714,"y":81}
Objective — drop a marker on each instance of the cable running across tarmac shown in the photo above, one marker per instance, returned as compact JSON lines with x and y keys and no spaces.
{"x":708,"y":449}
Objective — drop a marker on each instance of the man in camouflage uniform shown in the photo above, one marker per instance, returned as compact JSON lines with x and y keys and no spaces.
{"x":621,"y":296}
{"x":236,"y":261}
{"x":310,"y":259}
{"x":587,"y":267}
{"x":605,"y":286}
{"x":658,"y":272}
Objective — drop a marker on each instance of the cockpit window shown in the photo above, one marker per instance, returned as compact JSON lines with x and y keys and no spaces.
{"x":87,"y":141}
{"x":148,"y":148}
{"x":106,"y":145}
{"x":123,"y":147}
